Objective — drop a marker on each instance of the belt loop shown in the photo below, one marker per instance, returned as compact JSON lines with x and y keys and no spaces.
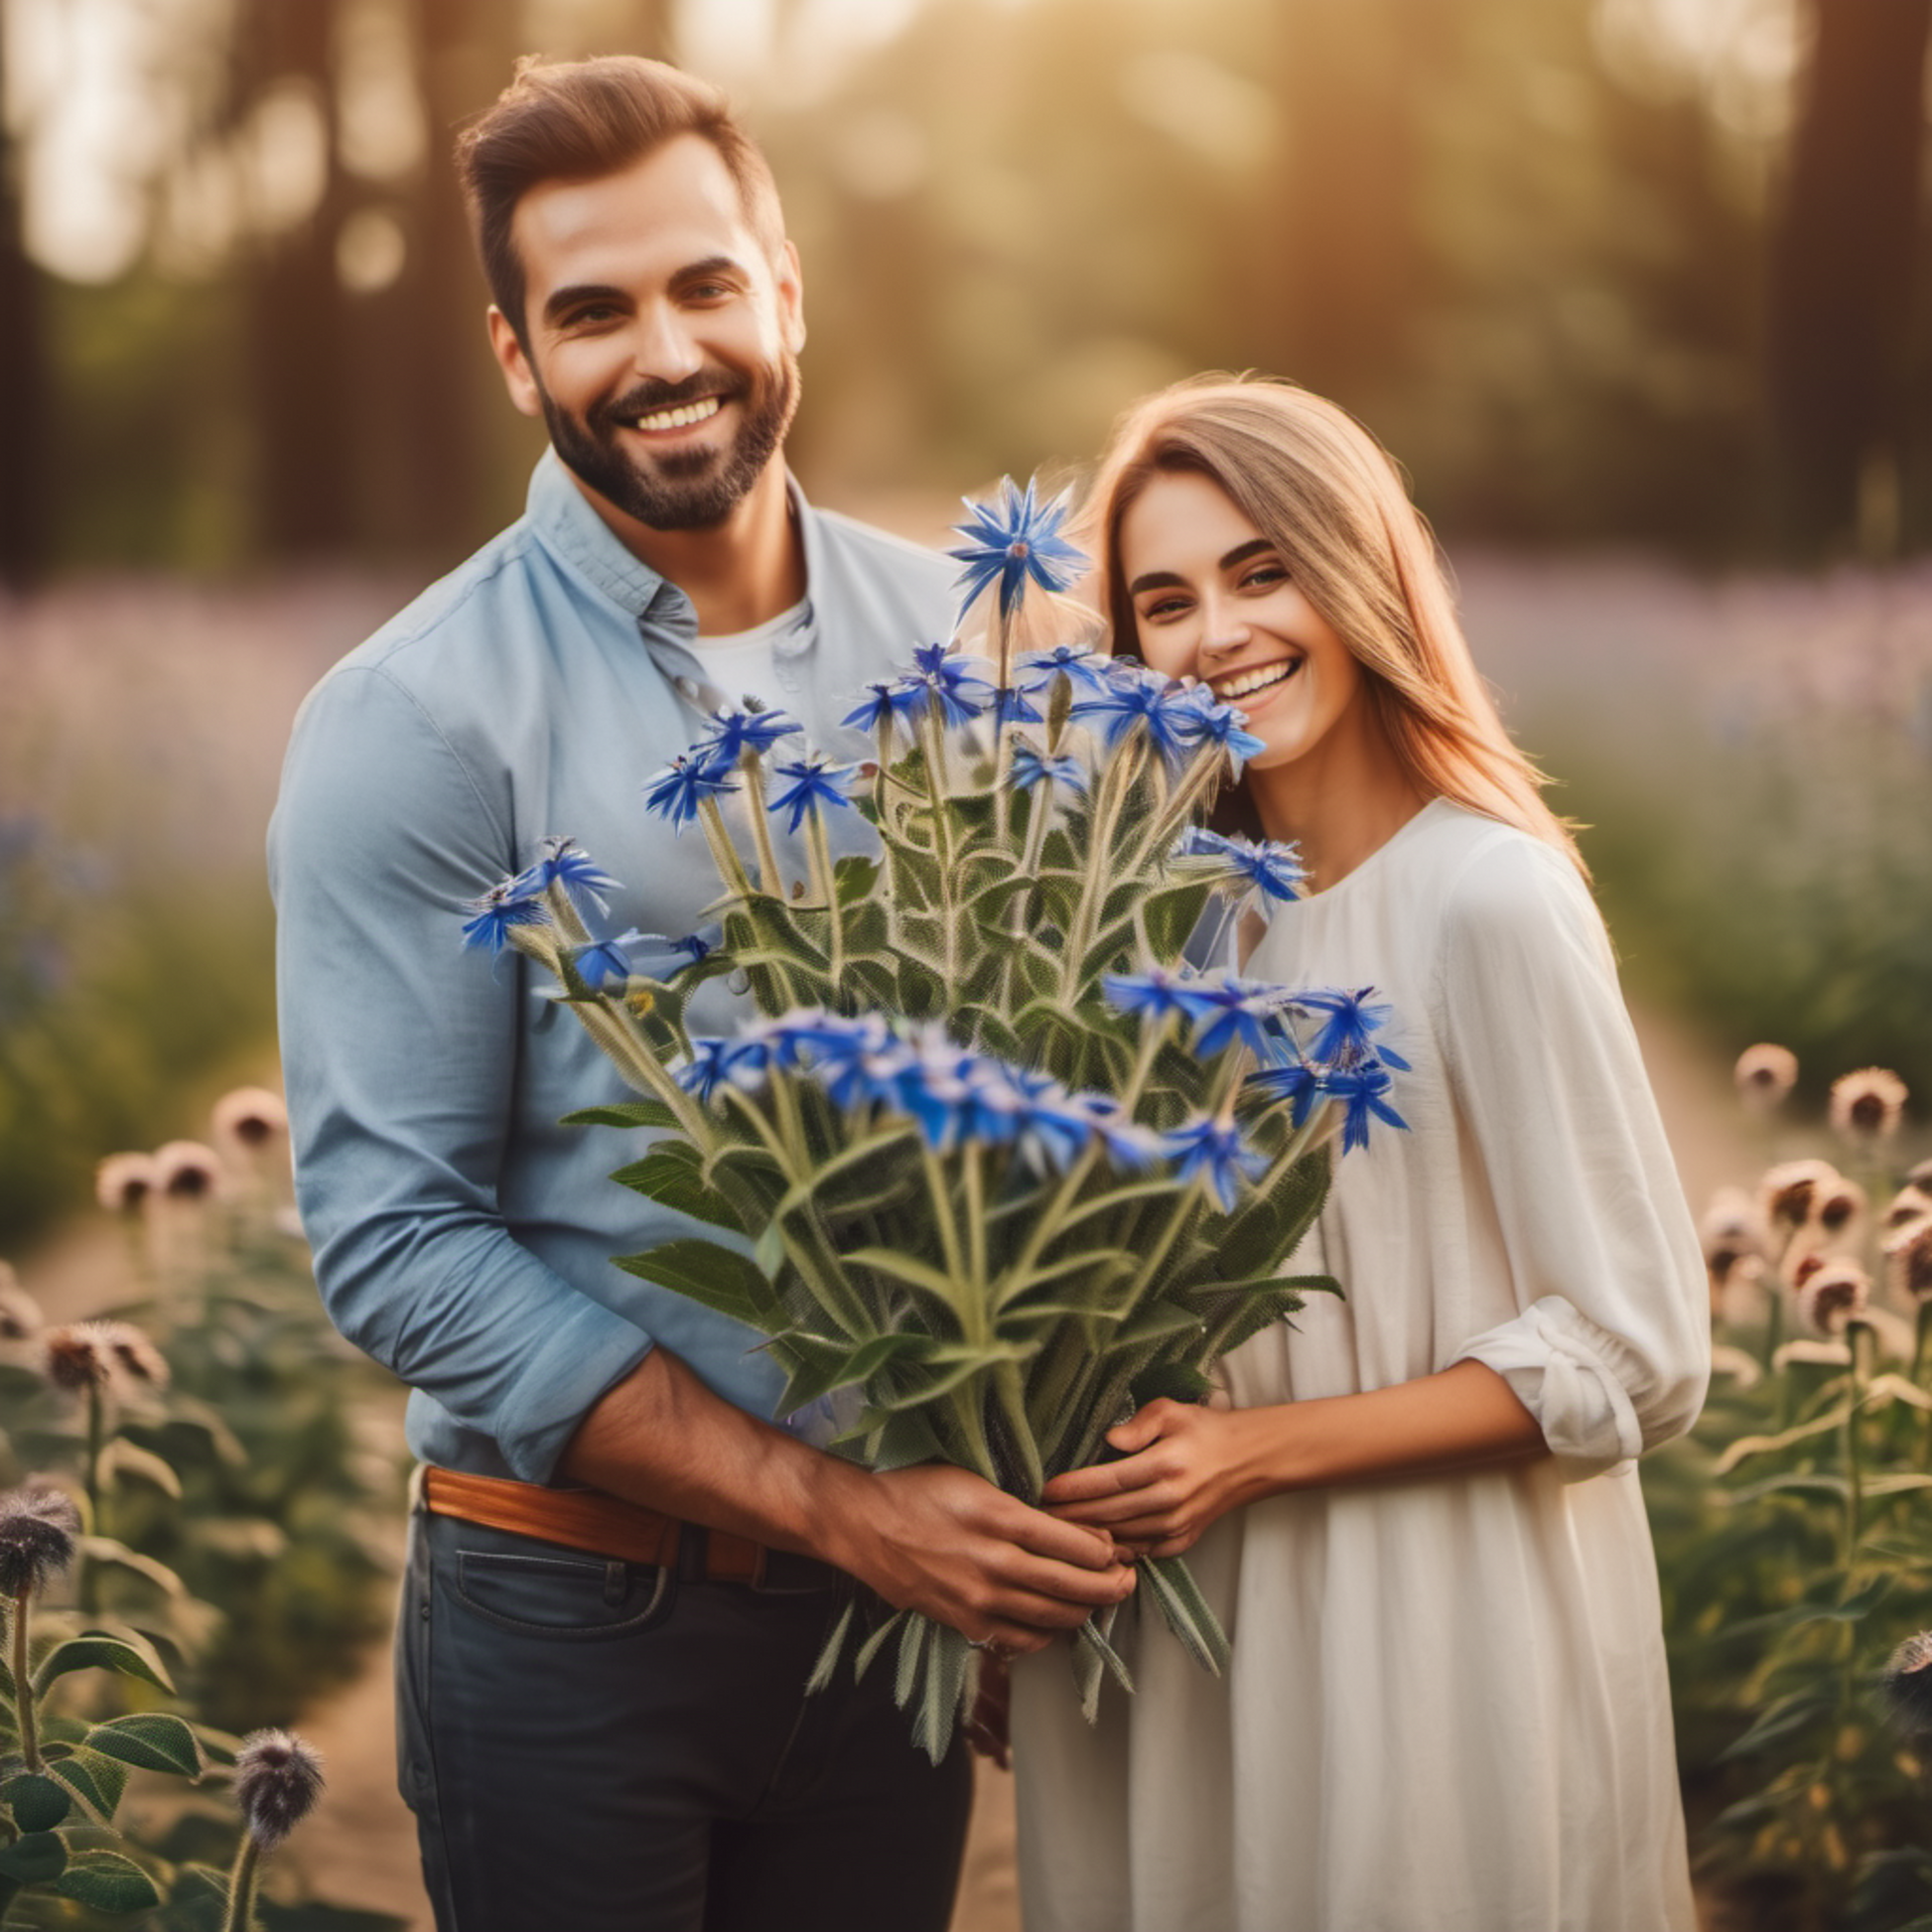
{"x":692,"y":1550}
{"x":617,"y":1582}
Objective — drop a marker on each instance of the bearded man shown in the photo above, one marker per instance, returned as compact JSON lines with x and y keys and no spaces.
{"x":623,"y":1566}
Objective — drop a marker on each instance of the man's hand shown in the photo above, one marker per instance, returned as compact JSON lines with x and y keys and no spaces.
{"x":944,"y":1541}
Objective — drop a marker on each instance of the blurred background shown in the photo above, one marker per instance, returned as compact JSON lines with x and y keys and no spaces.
{"x":1635,"y":288}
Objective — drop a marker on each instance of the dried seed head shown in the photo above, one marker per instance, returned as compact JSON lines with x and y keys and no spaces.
{"x":79,"y":1355}
{"x":250,"y":1117}
{"x":133,"y":1353}
{"x":277,"y":1780}
{"x":1801,"y":1265}
{"x":123,"y":1183}
{"x":1921,"y":1176}
{"x":1831,"y":1295}
{"x":1867,"y":1105}
{"x":38,"y":1526}
{"x":1908,"y":1260}
{"x":20,"y":1313}
{"x":1907,"y":1683}
{"x":1839,"y":1207}
{"x":186,"y":1171}
{"x":1911,"y":1204}
{"x":1765,"y":1074}
{"x":1789,"y":1189}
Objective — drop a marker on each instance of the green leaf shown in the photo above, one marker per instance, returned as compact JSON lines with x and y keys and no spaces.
{"x":36,"y":1801}
{"x":1188,"y":1612}
{"x":1257,"y":1236}
{"x":133,"y":1463}
{"x":942,"y":1683}
{"x":1095,"y":1639}
{"x":1169,"y":918}
{"x":875,"y":1642}
{"x":853,"y":878}
{"x":153,"y":1741}
{"x":911,"y":1647}
{"x":34,"y":1858}
{"x":828,"y":1657}
{"x":96,"y":1781}
{"x":1176,"y":1381}
{"x":625,"y":1113}
{"x":1782,"y":1719}
{"x":1749,"y":1446}
{"x":107,"y":1882}
{"x":715,"y":1277}
{"x":96,"y":1650}
{"x":671,"y":1174}
{"x":117,"y":1556}
{"x":915,"y":1274}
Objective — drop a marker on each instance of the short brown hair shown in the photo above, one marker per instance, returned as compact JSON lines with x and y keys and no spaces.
{"x":573,"y":120}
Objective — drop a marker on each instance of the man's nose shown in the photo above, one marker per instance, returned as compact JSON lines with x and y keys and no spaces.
{"x":662,"y":346}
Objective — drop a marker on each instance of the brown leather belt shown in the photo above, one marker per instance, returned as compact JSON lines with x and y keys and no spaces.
{"x":607,"y":1525}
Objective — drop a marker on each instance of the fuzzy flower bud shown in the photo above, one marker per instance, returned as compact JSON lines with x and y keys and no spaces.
{"x":38,"y":1526}
{"x":76,"y":1355}
{"x":131,"y":1352}
{"x":277,"y":1780}
{"x":1921,"y":1176}
{"x":1832,"y":1295}
{"x":1728,"y":1232}
{"x":1765,"y":1074}
{"x":1867,"y":1105}
{"x":1911,"y":1204}
{"x":186,"y":1171}
{"x":251,"y":1118}
{"x":123,"y":1183}
{"x":1907,"y":1683}
{"x":1789,"y":1190}
{"x":20,"y":1313}
{"x":1839,"y":1207}
{"x":1908,"y":1260}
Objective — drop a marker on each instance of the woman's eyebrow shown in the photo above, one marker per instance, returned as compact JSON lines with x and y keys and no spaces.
{"x":1241,"y":552}
{"x":1156,"y":580}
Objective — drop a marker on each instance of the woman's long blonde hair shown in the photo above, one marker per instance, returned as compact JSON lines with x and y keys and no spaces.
{"x":1327,"y":494}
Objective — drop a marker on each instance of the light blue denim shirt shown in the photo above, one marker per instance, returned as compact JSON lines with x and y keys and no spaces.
{"x":461,"y":1236}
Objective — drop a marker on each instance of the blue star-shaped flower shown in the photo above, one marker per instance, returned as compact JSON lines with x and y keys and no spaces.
{"x":948,"y":676}
{"x":1344,"y":1038}
{"x":1297,"y":1083}
{"x":1214,"y":1151}
{"x":508,"y":904}
{"x":712,"y":1062}
{"x":733,"y":732}
{"x":602,"y":962}
{"x":1145,"y":702}
{"x":684,"y":783}
{"x":1013,"y":705}
{"x":1154,"y":994}
{"x":1221,"y":724}
{"x":1013,"y":544}
{"x":816,"y":781}
{"x":893,"y":700}
{"x":1228,"y":1011}
{"x":1086,"y":670}
{"x":1362,"y":1090}
{"x":565,"y":862}
{"x":1031,"y":766}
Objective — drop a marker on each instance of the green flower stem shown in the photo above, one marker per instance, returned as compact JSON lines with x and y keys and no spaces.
{"x":240,"y":1914}
{"x":30,"y":1734}
{"x":1163,"y":826}
{"x":1116,"y":784}
{"x":731,"y":868}
{"x":827,"y":885}
{"x":1012,"y":1392}
{"x":964,"y":1403}
{"x":88,"y":1594}
{"x":943,"y":846}
{"x":1859,"y":1338}
{"x":1186,"y":1203}
{"x":1922,"y":1342}
{"x":1015,"y":1279}
{"x":972,"y":1309}
{"x":752,"y":766}
{"x":975,"y":1189}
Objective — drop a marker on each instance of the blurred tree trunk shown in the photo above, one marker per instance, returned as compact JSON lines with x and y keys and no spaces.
{"x":305,"y":420}
{"x":26,"y":525}
{"x":1840,"y":311}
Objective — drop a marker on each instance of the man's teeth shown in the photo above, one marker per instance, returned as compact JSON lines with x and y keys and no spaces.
{"x":1230,"y":688}
{"x":689,"y":412}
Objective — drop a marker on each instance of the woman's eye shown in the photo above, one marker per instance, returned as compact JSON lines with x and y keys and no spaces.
{"x":1263,"y":576}
{"x":1163,"y":609}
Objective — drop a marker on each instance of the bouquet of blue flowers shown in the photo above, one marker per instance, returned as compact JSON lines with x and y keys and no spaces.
{"x":997,"y":1163}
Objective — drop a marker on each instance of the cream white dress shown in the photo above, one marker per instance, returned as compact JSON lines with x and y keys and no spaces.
{"x":1447,"y":1708}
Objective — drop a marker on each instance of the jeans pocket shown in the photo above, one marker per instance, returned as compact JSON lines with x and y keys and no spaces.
{"x":566,"y":1599}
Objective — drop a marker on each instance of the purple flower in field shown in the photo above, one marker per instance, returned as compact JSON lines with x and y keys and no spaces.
{"x":1014,"y":543}
{"x":1031,"y":766}
{"x":507,"y":904}
{"x":816,"y":781}
{"x":733,"y":732}
{"x":1214,"y":1152}
{"x":565,"y":862}
{"x":1362,"y":1090}
{"x":690,"y":778}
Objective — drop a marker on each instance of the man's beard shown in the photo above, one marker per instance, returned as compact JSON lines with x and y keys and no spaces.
{"x":692,"y":489}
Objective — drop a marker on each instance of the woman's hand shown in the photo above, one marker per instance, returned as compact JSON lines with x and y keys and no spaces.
{"x":1182,"y":1467}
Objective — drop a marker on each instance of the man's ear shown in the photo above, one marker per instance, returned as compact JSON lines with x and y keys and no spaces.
{"x":514,"y":361}
{"x":791,"y":297}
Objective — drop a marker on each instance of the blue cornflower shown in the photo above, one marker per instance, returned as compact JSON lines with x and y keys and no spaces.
{"x":565,"y":862}
{"x":818,"y":781}
{"x":893,"y":700}
{"x":1215,"y":1152}
{"x":1086,"y":670}
{"x":1230,"y":1010}
{"x":1129,"y":1145}
{"x":1031,"y":766}
{"x":733,"y":732}
{"x":1360,"y":1089}
{"x":1222,"y":725}
{"x":1345,"y":1038}
{"x":1297,"y":1083}
{"x":1154,"y":994}
{"x":662,"y":959}
{"x":1272,"y":869}
{"x":1148,"y":701}
{"x":1012,"y":705}
{"x":948,"y":675}
{"x":1017,"y":541}
{"x":741,"y":1062}
{"x":600,"y":962}
{"x":508,"y":904}
{"x":684,"y":783}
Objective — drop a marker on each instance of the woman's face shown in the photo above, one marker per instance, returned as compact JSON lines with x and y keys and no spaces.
{"x":1213,"y":599}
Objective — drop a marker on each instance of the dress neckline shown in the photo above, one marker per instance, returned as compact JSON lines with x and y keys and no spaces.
{"x":1433,"y":809}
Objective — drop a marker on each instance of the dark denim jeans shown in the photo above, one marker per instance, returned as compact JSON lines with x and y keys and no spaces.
{"x":595,"y":1747}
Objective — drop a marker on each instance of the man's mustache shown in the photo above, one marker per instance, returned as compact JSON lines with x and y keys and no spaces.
{"x":651,"y":395}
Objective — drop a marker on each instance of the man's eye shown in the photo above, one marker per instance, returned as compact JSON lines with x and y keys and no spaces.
{"x":709,"y":291}
{"x":590,"y":318}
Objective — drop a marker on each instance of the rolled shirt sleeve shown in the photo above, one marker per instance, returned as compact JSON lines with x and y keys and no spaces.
{"x":1610,"y":1348}
{"x":400,"y":1056}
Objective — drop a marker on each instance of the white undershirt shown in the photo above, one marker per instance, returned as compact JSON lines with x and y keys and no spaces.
{"x":739,"y":664}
